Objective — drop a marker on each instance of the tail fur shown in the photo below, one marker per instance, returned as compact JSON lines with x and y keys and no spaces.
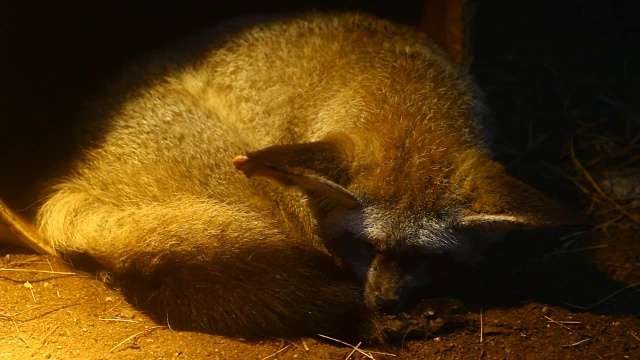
{"x":199,"y":264}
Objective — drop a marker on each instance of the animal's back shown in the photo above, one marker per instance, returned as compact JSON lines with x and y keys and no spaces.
{"x":286,"y":82}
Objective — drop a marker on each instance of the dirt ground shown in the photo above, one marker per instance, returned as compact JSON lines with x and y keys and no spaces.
{"x":551,"y":303}
{"x":562,"y":82}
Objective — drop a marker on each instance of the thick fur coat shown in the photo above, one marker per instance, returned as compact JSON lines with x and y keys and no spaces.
{"x":302,"y":176}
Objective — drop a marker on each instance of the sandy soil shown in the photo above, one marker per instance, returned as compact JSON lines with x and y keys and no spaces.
{"x":518,"y":308}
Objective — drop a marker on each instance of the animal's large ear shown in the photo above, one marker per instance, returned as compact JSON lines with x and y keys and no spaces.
{"x":501,"y":203}
{"x":320,"y":169}
{"x":447,"y":22}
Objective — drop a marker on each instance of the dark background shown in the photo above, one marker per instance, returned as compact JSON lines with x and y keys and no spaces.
{"x":544,"y":64}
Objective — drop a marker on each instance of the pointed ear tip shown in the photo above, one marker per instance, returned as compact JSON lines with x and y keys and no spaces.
{"x":243,"y":164}
{"x":239,"y":160}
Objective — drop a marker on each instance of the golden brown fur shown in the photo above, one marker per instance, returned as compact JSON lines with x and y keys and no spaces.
{"x":377,"y":138}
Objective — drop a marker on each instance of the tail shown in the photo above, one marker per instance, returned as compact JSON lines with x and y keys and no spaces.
{"x":23,"y":231}
{"x":199,"y":264}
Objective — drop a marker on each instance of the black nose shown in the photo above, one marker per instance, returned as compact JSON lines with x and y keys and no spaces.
{"x":386,"y":304}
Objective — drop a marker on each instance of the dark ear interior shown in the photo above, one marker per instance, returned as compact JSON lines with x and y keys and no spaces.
{"x":329,"y":158}
{"x":500,"y":201}
{"x":316,"y":168}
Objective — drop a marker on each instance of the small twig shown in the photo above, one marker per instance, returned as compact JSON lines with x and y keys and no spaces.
{"x":576,"y":343}
{"x":595,"y":185}
{"x":136,"y":334}
{"x":50,"y":268}
{"x":20,"y":312}
{"x":572,"y":235}
{"x":304,"y":344}
{"x":39,"y":271}
{"x":605,"y":298}
{"x":354,"y":350}
{"x":35,"y":281}
{"x":609,"y":223}
{"x":115,"y":306}
{"x":121,"y":320}
{"x":349,"y":345}
{"x":19,"y":333}
{"x":48,"y":334}
{"x":30,"y":287}
{"x":481,"y":327}
{"x":51,"y":311}
{"x":584,"y":171}
{"x":29,"y":261}
{"x":49,"y":263}
{"x":631,"y":144}
{"x":276,"y":353}
{"x":605,"y":211}
{"x":629,"y":161}
{"x":575,"y":251}
{"x":581,"y":308}
{"x":633,"y":217}
{"x":11,"y":316}
{"x":293,"y":344}
{"x":589,"y":248}
{"x":380,"y":353}
{"x":557,"y":323}
{"x":168,"y":323}
{"x":610,"y":264}
{"x":404,"y":336}
{"x":634,"y":335}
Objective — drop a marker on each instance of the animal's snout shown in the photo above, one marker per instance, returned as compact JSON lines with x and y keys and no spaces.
{"x":387,"y":304}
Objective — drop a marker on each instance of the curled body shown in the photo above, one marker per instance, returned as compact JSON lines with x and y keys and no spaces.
{"x":294,"y":172}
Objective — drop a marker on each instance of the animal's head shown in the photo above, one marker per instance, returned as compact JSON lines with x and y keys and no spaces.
{"x":399,"y":218}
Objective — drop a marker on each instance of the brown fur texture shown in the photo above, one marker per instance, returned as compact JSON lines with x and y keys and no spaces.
{"x":366,"y":146}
